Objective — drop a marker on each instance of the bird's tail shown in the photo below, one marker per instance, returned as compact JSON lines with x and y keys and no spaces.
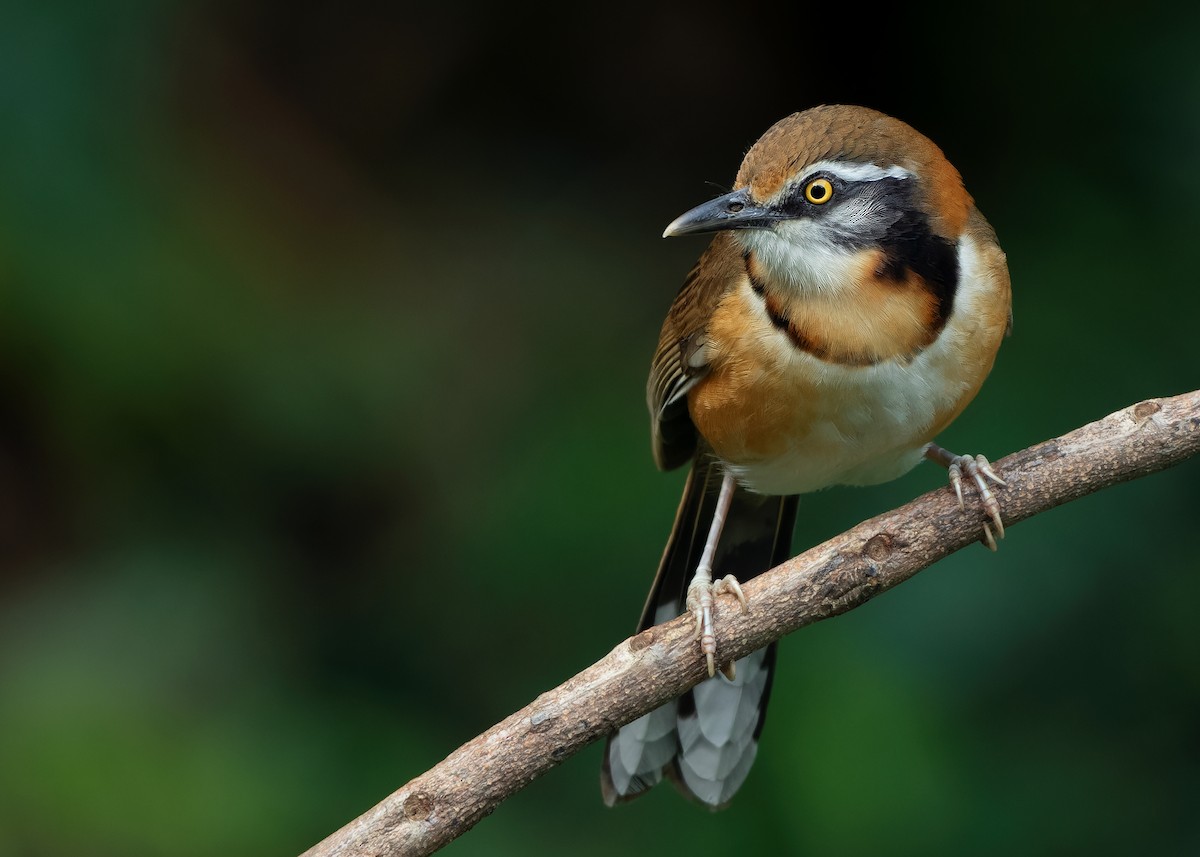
{"x":706,"y":740}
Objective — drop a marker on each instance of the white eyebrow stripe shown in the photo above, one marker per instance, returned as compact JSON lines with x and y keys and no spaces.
{"x":856,"y":172}
{"x":846,"y":171}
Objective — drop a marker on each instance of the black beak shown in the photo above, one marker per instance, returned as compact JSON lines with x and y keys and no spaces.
{"x":732,"y":211}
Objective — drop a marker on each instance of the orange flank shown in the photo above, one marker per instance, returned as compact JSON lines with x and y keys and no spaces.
{"x":751,"y":406}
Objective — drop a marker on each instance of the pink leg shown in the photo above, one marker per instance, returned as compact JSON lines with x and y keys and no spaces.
{"x":702,"y":591}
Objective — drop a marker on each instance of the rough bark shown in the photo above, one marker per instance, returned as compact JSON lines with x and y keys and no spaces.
{"x":839,"y":575}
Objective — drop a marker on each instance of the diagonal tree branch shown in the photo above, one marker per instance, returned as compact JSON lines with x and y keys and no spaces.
{"x":839,"y":575}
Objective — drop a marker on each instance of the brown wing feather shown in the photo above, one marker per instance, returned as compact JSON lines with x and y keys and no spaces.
{"x":679,"y":359}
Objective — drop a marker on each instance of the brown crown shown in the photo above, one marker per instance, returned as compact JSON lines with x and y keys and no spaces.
{"x":858,"y":135}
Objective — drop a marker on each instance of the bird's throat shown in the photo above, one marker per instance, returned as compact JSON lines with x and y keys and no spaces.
{"x":877,"y":311}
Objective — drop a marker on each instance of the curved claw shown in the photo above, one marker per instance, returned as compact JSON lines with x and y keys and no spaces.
{"x":956,"y":480}
{"x":700,"y":603}
{"x":979,"y":470}
{"x":701,"y":599}
{"x":729,"y":585}
{"x":992,"y":506}
{"x":985,"y":467}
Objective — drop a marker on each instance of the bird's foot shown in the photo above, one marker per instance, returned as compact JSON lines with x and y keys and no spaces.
{"x":979,"y":470}
{"x":701,"y":596}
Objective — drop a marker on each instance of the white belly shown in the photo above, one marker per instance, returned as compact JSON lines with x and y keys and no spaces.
{"x":871,"y":428}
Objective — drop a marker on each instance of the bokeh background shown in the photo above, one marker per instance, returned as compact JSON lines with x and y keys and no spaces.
{"x":323,"y":336}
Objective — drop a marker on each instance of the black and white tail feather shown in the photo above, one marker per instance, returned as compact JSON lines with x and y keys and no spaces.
{"x":705,"y":741}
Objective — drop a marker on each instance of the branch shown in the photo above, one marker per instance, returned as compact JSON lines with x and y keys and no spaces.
{"x":839,"y":575}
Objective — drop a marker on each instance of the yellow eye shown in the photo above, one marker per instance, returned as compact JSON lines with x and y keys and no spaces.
{"x":818,"y":191}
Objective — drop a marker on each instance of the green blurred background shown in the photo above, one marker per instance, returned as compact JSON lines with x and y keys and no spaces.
{"x":324,"y":336}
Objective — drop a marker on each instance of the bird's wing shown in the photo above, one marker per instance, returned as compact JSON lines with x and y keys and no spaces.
{"x":680,"y":360}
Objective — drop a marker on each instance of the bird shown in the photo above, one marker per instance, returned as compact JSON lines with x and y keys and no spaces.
{"x":848,"y":307}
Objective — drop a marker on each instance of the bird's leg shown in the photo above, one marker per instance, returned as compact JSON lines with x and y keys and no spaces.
{"x":702,"y":592}
{"x":979,"y":470}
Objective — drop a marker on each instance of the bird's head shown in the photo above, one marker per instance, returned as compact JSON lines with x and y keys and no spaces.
{"x":823,"y":190}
